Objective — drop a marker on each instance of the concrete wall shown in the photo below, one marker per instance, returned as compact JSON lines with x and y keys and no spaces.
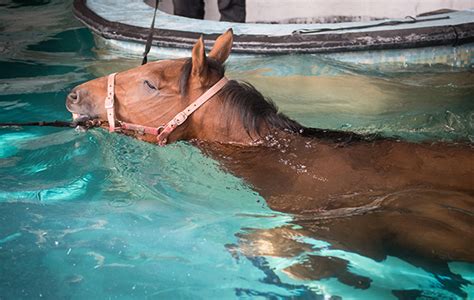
{"x":277,"y":10}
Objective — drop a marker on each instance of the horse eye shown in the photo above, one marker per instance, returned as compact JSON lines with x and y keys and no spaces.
{"x":150,"y":85}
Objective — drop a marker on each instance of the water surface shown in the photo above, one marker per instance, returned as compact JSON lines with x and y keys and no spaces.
{"x":97,"y":216}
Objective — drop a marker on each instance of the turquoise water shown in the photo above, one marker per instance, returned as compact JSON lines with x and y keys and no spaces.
{"x":98,"y":216}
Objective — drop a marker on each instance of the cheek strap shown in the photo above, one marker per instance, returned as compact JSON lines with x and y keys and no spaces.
{"x":109,"y":101}
{"x":179,"y":119}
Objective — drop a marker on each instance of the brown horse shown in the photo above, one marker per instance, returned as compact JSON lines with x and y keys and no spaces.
{"x":369,"y":195}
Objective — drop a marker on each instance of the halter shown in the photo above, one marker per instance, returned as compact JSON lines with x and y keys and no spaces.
{"x":165,"y":130}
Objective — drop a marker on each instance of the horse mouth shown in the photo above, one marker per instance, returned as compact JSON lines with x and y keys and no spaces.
{"x":78,"y":116}
{"x":83,"y":122}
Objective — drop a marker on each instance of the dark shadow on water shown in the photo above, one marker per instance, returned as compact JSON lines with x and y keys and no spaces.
{"x":79,"y":41}
{"x":24,"y":3}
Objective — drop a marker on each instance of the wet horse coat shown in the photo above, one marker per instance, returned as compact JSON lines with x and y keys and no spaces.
{"x":368,"y":195}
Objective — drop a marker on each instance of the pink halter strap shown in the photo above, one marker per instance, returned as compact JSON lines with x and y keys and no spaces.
{"x":163,"y":131}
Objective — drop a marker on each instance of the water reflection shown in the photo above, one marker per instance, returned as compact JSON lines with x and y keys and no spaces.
{"x":375,"y":251}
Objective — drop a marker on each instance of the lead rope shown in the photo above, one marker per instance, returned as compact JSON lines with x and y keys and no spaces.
{"x":150,"y":36}
{"x":82,"y":123}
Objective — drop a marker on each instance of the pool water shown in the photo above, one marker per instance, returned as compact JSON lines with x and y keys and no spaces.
{"x":93,"y":215}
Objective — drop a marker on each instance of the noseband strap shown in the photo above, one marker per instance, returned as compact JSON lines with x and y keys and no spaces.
{"x":163,"y":131}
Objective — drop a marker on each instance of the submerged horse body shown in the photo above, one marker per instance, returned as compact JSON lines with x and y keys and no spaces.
{"x":366,"y":194}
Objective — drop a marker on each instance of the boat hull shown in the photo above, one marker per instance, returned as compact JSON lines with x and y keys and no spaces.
{"x":106,"y":19}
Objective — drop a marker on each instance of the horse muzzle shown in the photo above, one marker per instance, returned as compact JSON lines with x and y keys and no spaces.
{"x":79,"y":106}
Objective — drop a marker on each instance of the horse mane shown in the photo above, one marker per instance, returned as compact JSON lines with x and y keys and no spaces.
{"x":257,"y":111}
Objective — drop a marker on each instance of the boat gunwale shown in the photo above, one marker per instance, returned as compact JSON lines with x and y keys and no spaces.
{"x":283,"y":44}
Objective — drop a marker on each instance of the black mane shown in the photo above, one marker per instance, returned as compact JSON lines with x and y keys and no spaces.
{"x":256,"y":111}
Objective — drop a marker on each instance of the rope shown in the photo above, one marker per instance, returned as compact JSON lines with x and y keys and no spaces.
{"x":408,"y":20}
{"x":86,"y":124}
{"x":150,"y":36}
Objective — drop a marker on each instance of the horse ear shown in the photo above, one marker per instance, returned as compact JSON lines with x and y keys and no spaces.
{"x":199,"y":58}
{"x":222,"y":46}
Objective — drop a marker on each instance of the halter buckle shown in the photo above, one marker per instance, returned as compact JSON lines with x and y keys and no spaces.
{"x":180,"y":118}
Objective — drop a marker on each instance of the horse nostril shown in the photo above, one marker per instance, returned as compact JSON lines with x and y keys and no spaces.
{"x":73,"y":97}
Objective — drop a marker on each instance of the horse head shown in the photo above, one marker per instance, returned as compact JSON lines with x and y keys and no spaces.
{"x":153,"y":94}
